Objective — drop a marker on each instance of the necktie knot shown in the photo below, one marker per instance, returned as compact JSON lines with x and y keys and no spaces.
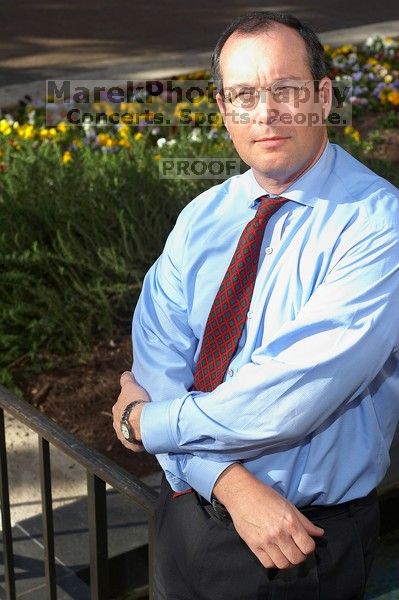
{"x":267,"y":206}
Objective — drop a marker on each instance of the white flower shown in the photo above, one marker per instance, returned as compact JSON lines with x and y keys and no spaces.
{"x":370,"y":40}
{"x":195,"y":135}
{"x":161,"y":142}
{"x":212,"y":134}
{"x":89,"y":131}
{"x":171,"y":142}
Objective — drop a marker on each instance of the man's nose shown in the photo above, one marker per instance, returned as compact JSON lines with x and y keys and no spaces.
{"x":268,"y":109}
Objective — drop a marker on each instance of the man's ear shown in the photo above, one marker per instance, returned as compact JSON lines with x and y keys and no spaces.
{"x":325,"y":95}
{"x":222,"y":108}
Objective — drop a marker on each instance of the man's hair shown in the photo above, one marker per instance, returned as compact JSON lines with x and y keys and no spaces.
{"x":261,"y":21}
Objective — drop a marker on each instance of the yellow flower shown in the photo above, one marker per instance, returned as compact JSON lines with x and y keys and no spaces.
{"x":372,"y":61}
{"x":103,"y":138}
{"x":388,"y":79}
{"x":124,"y":132}
{"x":157,"y":156}
{"x":5,"y":128}
{"x":138,"y":136}
{"x":44,"y":133}
{"x":180,"y":107}
{"x":15,"y":145}
{"x":26,"y":132}
{"x":346,"y":49}
{"x":66,"y":157}
{"x":393,"y":97}
{"x":62,"y":127}
{"x":124,"y":143}
{"x":353,"y":133}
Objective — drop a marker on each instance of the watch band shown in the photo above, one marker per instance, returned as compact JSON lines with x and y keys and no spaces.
{"x":125,"y":425}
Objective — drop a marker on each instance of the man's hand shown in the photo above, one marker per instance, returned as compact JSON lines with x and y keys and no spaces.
{"x":130,"y":391}
{"x":273,"y":528}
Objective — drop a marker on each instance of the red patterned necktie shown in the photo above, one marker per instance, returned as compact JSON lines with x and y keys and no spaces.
{"x":228,"y":313}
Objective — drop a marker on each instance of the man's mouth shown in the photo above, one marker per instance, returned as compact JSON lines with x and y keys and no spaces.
{"x":272,"y":141}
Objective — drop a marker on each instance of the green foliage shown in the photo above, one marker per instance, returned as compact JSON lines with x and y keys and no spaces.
{"x":75,"y":242}
{"x":78,"y":236}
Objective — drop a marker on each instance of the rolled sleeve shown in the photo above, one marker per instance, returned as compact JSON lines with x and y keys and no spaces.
{"x":156,"y":433}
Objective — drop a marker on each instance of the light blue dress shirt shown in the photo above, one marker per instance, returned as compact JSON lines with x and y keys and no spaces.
{"x":310,"y":400}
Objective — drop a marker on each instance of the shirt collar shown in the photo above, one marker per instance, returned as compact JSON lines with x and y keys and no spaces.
{"x":306,"y":189}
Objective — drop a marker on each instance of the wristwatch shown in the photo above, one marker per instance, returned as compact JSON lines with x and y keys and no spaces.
{"x":126,"y":429}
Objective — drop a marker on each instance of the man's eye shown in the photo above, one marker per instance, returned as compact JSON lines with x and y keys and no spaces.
{"x":245,"y":93}
{"x":281,"y":89}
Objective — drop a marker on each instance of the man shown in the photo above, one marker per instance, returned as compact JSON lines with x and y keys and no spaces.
{"x":273,"y":439}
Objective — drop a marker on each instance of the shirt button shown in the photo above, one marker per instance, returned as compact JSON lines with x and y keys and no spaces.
{"x":230,"y":372}
{"x":249,"y":314}
{"x":269,"y":250}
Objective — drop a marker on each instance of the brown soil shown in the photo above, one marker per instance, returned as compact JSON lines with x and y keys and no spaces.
{"x":80,"y":399}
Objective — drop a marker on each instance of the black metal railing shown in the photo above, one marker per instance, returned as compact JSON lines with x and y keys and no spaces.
{"x":100,"y":471}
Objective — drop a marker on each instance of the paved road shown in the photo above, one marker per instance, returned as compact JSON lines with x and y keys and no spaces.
{"x":40,"y":39}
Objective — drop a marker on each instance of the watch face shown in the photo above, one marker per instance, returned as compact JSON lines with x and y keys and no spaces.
{"x":125,"y":431}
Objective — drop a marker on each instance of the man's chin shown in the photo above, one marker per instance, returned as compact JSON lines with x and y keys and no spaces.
{"x":272,"y":168}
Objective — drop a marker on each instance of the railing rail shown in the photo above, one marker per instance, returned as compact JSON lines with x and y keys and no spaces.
{"x":100,"y":471}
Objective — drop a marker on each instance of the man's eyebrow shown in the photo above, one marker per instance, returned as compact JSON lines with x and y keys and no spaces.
{"x":282,"y":78}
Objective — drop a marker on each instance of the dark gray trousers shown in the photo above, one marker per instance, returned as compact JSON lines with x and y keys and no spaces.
{"x":199,"y":557}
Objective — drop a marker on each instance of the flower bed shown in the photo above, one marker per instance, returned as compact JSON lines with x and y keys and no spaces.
{"x":84,"y":212}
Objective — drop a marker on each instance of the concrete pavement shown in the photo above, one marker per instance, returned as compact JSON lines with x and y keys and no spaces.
{"x":127,"y":524}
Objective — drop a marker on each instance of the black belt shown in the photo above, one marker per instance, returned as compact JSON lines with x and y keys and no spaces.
{"x":313,"y":511}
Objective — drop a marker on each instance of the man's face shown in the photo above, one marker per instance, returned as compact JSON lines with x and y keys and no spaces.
{"x":276,"y":151}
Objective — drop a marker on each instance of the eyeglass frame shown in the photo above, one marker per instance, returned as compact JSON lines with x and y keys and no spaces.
{"x":258,"y":92}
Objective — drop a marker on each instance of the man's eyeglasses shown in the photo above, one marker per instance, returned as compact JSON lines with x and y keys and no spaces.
{"x":284,"y":91}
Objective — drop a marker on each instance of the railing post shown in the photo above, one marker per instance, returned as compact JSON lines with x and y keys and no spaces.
{"x":98,"y":537}
{"x":8,"y":557}
{"x":151,"y":542}
{"x":100,"y":470}
{"x":47,"y":511}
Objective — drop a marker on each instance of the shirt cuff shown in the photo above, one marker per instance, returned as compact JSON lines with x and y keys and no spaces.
{"x":156,"y":435}
{"x":203,"y":473}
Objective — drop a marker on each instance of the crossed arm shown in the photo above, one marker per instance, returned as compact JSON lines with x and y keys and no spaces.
{"x":348,"y":324}
{"x":273,"y":528}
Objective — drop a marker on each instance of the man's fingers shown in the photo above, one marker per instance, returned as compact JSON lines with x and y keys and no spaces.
{"x":263,"y":557}
{"x":292,"y":552}
{"x":310,"y":527}
{"x":278,"y":556}
{"x":126,"y":377}
{"x":305,"y":543}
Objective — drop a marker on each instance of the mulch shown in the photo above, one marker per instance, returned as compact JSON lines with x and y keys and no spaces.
{"x":80,"y":399}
